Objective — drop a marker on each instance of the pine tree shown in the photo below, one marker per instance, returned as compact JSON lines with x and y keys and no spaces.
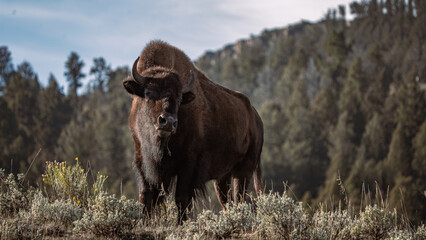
{"x":351,"y":99}
{"x":359,"y":9}
{"x":275,"y":125}
{"x":407,"y":197}
{"x":324,"y":115}
{"x":365,"y":172}
{"x":401,"y":157}
{"x":73,"y":73}
{"x":118,"y":104}
{"x":21,"y":95}
{"x":342,"y":11}
{"x":373,"y":11}
{"x":299,"y":141}
{"x":115,"y":84}
{"x":398,"y":159}
{"x":101,"y":71}
{"x":374,"y":139}
{"x":342,"y":153}
{"x":419,"y":166}
{"x":8,"y":133}
{"x":388,"y":116}
{"x":389,"y":7}
{"x":335,"y":46}
{"x":419,"y":37}
{"x":324,"y":109}
{"x":361,"y":181}
{"x":346,"y":136}
{"x":411,"y":105}
{"x":376,"y":95}
{"x":334,"y":67}
{"x":410,"y":11}
{"x":76,"y":140}
{"x":292,"y":72}
{"x":410,"y":115}
{"x":54,"y":115}
{"x":419,"y":161}
{"x":6,"y":67}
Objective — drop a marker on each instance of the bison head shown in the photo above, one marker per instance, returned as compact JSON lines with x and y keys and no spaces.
{"x":160,"y":94}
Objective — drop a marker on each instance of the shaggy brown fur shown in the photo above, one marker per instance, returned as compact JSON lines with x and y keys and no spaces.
{"x":219,"y":135}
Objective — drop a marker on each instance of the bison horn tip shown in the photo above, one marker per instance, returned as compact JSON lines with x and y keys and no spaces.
{"x":187,"y":87}
{"x":136,"y":76}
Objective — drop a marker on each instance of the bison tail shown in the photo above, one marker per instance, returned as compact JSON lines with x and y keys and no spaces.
{"x":257,"y":180}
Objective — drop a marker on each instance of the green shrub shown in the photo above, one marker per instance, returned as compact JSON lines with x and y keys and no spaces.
{"x":12,"y":196}
{"x":373,"y":223}
{"x":329,"y":224}
{"x":191,"y":236}
{"x":106,"y":215}
{"x":421,"y":232}
{"x":163,"y":215}
{"x":18,"y":228}
{"x":161,"y":222}
{"x":72,"y":208}
{"x":281,"y":217}
{"x":234,"y":220}
{"x":70,"y":182}
{"x":400,"y":235}
{"x":60,"y":211}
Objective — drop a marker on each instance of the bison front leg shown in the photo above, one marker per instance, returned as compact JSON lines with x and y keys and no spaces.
{"x":150,"y":196}
{"x":183,"y":198}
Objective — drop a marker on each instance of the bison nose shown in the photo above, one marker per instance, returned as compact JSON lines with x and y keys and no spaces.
{"x":167,"y":122}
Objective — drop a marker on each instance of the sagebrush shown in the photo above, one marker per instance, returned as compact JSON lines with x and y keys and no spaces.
{"x":71,"y":207}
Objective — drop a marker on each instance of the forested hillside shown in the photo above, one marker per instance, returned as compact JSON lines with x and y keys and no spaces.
{"x":343,"y":105}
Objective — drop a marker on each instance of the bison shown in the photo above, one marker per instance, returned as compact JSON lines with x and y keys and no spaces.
{"x":188,"y":128}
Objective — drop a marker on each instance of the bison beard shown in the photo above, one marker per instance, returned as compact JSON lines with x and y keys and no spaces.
{"x":154,"y":173}
{"x":219,"y":136}
{"x":154,"y":150}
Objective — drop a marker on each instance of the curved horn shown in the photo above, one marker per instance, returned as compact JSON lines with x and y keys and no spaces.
{"x":187,"y":87}
{"x":136,"y":76}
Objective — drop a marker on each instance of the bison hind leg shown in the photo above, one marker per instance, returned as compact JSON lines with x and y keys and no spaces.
{"x":257,"y":180}
{"x":249,"y":168}
{"x":222,"y":188}
{"x":241,"y":184}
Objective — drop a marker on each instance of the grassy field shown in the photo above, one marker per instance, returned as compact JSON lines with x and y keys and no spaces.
{"x":67,"y":206}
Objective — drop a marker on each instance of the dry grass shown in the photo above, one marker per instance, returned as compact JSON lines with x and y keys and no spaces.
{"x":70,"y":208}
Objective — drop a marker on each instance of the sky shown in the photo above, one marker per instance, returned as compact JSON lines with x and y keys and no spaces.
{"x":45,"y":32}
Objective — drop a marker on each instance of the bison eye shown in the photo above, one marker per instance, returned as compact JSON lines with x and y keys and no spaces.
{"x":150,"y":94}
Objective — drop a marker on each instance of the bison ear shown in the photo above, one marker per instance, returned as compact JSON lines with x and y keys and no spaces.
{"x":132,"y":87}
{"x":187,"y":97}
